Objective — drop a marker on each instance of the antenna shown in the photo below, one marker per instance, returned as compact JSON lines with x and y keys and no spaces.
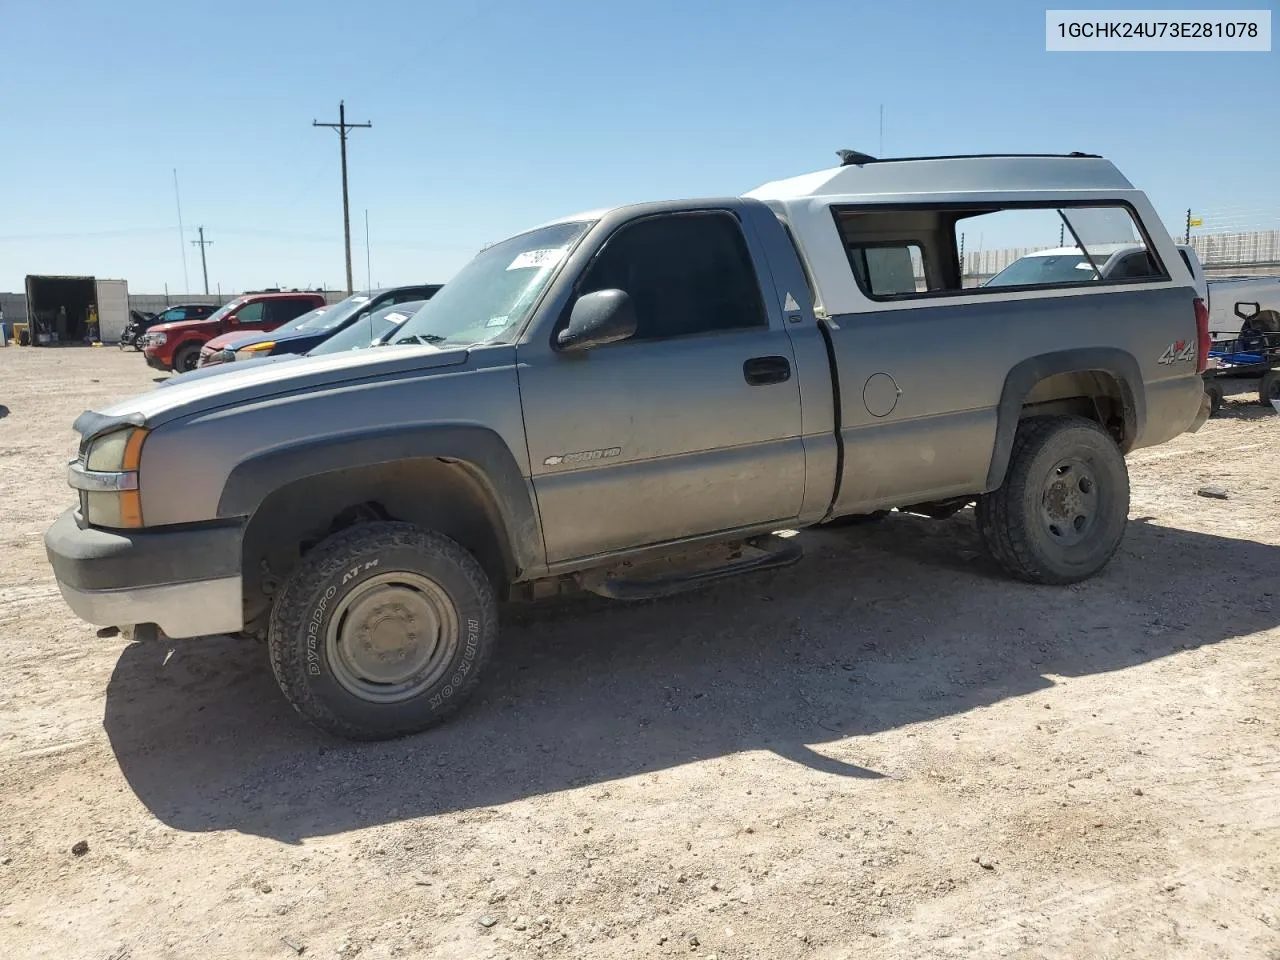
{"x":182,"y":244}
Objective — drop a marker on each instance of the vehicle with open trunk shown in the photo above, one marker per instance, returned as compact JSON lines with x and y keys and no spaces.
{"x":632,"y":402}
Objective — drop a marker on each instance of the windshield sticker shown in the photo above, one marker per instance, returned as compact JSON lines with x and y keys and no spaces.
{"x":498,"y":321}
{"x":359,"y":299}
{"x":396,"y":317}
{"x":537,"y":258}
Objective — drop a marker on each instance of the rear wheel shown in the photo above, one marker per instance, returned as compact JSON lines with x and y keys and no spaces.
{"x":1061,"y":513}
{"x":1269,"y":388}
{"x":382,"y":630}
{"x":186,"y":357}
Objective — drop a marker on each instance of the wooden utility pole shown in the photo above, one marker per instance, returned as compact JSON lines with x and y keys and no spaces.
{"x":204,"y":267}
{"x":342,"y":127}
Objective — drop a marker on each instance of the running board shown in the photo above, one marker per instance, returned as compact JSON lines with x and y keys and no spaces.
{"x":689,"y":570}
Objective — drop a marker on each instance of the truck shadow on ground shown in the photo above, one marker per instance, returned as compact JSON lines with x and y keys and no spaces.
{"x":880,"y":626}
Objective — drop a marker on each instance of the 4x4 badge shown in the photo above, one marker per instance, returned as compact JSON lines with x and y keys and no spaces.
{"x":1178,"y":351}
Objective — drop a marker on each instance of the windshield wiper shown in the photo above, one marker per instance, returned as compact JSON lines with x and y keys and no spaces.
{"x":428,"y":338}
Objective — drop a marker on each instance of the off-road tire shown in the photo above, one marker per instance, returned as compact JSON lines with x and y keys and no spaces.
{"x":335,"y":568}
{"x":1014,"y":521}
{"x":186,"y":357}
{"x":1269,"y":387}
{"x":1214,"y":392}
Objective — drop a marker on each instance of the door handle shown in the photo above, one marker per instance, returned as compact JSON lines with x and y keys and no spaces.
{"x":759,"y":371}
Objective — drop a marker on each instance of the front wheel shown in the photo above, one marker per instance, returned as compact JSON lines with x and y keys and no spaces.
{"x":382,"y":630}
{"x":186,"y":357}
{"x":1061,"y":512}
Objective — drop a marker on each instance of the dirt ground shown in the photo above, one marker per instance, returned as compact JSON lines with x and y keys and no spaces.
{"x":888,"y":750}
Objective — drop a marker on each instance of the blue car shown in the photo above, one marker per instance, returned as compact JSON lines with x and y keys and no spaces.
{"x":309,"y":330}
{"x":371,"y":330}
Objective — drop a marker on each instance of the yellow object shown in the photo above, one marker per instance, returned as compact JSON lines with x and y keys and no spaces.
{"x":18,"y":329}
{"x":1196,"y":222}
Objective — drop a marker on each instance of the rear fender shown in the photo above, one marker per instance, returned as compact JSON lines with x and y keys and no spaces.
{"x":1022,"y":379}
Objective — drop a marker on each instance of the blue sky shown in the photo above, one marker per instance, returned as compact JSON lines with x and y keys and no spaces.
{"x":493,"y":115}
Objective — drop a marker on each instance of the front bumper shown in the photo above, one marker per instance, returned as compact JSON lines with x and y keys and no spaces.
{"x":154,"y":362}
{"x":187,"y":581}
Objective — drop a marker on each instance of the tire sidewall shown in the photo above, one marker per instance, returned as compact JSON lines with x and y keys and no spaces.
{"x":308,"y":639}
{"x":184,"y":351}
{"x":1107,"y":463}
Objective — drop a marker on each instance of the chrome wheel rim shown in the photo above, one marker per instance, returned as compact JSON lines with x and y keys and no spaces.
{"x":1069,"y":502}
{"x":393,"y":636}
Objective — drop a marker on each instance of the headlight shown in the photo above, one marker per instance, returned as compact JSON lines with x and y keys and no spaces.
{"x":108,"y":481}
{"x":255,"y":348}
{"x":155,"y":339}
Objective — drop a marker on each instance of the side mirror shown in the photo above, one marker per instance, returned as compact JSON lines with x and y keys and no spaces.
{"x":233,"y":319}
{"x":1248,"y":310}
{"x":605,"y":316}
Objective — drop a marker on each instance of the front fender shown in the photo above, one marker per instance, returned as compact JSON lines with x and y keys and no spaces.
{"x":480,"y":449}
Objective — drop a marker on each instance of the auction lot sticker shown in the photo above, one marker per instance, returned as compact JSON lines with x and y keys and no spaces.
{"x":1158,"y":31}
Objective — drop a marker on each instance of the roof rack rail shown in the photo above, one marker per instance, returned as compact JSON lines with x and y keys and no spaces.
{"x":854,"y":158}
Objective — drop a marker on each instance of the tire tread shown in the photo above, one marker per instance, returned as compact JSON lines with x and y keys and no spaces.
{"x":1001,"y":525}
{"x":328,"y":558}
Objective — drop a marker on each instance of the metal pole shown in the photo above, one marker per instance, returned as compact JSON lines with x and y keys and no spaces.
{"x":368,"y":257}
{"x":346,"y":206}
{"x":1188,"y":236}
{"x":186,"y":282}
{"x":204,"y":267}
{"x":342,"y":127}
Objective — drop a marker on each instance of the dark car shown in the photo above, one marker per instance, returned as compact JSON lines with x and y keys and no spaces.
{"x":141,"y":321}
{"x":306,"y":332}
{"x":371,"y":330}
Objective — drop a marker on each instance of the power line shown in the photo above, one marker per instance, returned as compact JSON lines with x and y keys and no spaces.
{"x":342,"y":127}
{"x":204,"y":267}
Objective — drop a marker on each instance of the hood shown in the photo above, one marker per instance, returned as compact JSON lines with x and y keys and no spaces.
{"x":247,"y":382}
{"x":181,"y":325}
{"x":199,"y":373}
{"x":238,"y":339}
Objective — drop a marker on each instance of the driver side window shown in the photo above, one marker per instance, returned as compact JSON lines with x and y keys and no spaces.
{"x":686,"y":273}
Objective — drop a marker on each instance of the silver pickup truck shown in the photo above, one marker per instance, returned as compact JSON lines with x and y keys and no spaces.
{"x":635,"y":401}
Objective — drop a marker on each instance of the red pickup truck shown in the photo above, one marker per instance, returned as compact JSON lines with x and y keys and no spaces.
{"x":176,"y":346}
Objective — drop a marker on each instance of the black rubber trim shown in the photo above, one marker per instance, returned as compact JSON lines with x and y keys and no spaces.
{"x":90,"y":424}
{"x":484,"y":451}
{"x":93,"y":559}
{"x":1025,"y":375}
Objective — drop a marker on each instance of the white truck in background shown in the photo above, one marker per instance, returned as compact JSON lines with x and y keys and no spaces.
{"x":1116,"y":261}
{"x":1224,"y":294}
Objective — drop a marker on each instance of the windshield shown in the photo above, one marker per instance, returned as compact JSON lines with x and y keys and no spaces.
{"x":494,"y":293}
{"x":368,"y":329}
{"x":1055,"y":269}
{"x":327,"y":318}
{"x":305,"y":322}
{"x":230,"y":308}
